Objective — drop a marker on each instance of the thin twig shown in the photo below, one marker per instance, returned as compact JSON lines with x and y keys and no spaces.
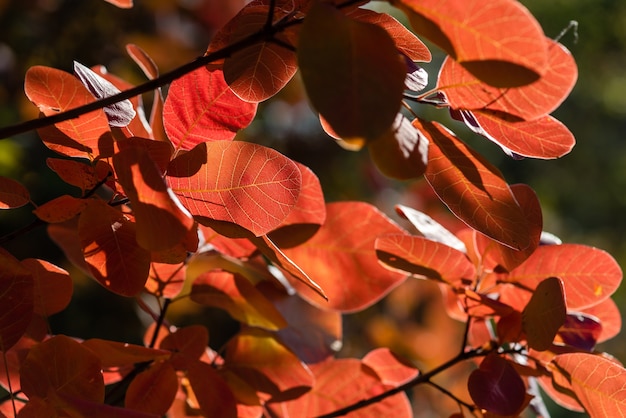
{"x":451,"y":395}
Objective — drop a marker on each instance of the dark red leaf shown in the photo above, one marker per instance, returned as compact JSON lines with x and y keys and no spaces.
{"x":12,"y":194}
{"x":580,"y":331}
{"x":153,"y":390}
{"x":544,"y":314}
{"x":497,"y":387}
{"x":16,"y":300}
{"x":52,"y":286}
{"x":214,"y":397}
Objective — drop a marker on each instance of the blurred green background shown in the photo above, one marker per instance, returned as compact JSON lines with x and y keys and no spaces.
{"x":583,"y":194}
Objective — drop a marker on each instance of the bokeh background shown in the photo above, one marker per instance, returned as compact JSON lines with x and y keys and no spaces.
{"x":583,"y":194}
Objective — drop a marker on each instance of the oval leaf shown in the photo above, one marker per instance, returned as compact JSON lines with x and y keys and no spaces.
{"x":12,"y":194}
{"x":214,"y":397}
{"x":53,"y":286}
{"x":544,"y":314}
{"x":153,"y":390}
{"x":390,"y":368}
{"x":258,"y":197}
{"x":16,"y":300}
{"x":497,"y":387}
{"x":60,"y":209}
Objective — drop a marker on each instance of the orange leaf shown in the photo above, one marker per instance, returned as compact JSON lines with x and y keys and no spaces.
{"x":122,"y":4}
{"x":153,"y":390}
{"x":263,"y":362}
{"x":201,"y":107}
{"x":464,"y":91}
{"x":54,"y":91}
{"x":187,"y":345}
{"x":79,"y":174}
{"x":52,"y":286}
{"x":390,"y":368}
{"x":500,"y":42}
{"x":430,"y":228}
{"x":12,"y":194}
{"x":472,"y":188}
{"x":60,"y":209}
{"x":544,"y":314}
{"x":609,"y":316}
{"x":597,"y":382}
{"x":237,"y":296}
{"x":161,"y":221}
{"x":109,"y":244}
{"x":16,"y":300}
{"x":213,"y":395}
{"x":166,"y":280}
{"x":352,"y":72}
{"x":115,"y":354}
{"x":342,"y":382}
{"x":341,"y":258}
{"x":424,"y":258}
{"x":61,"y":366}
{"x":259,"y":197}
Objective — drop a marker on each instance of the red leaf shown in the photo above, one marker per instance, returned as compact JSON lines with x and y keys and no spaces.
{"x":497,"y":387}
{"x":160,"y":152}
{"x":341,"y":258}
{"x":166,"y":280}
{"x":109,"y":244}
{"x":115,"y":354}
{"x":464,"y":91}
{"x":544,"y":314}
{"x":153,"y":390}
{"x":424,"y":258}
{"x":200,"y":107}
{"x":65,"y":235}
{"x":16,"y":300}
{"x":60,"y":366}
{"x":259,"y":197}
{"x":544,"y":137}
{"x":402,"y":152}
{"x":161,"y":221}
{"x":60,"y":209}
{"x":342,"y":382}
{"x":609,"y":316}
{"x":589,"y":275}
{"x":390,"y":368}
{"x":12,"y":194}
{"x":597,"y":382}
{"x":52,"y":286}
{"x":214,"y":397}
{"x":122,"y":4}
{"x":55,"y":91}
{"x":473,"y":189}
{"x":500,"y":42}
{"x":237,"y":296}
{"x":263,"y":362}
{"x":580,"y":330}
{"x":79,"y":174}
{"x":352,"y":72}
{"x":143,"y":60}
{"x":187,"y":345}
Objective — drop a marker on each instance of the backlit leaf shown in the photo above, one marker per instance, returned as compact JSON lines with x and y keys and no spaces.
{"x":79,"y":174}
{"x":430,"y":228}
{"x":464,"y":91}
{"x":609,"y":316}
{"x":424,"y":258}
{"x":122,"y":4}
{"x":52,"y":286}
{"x":341,"y":258}
{"x":12,"y":194}
{"x":500,"y":42}
{"x":352,"y":72}
{"x":580,"y":331}
{"x":237,"y":296}
{"x":190,"y":341}
{"x":60,"y":209}
{"x":62,"y":366}
{"x":54,"y":91}
{"x":116,"y":354}
{"x":597,"y":382}
{"x":544,"y":314}
{"x":390,"y":368}
{"x":153,"y":390}
{"x":109,"y":244}
{"x":589,"y":275}
{"x":259,"y":197}
{"x":16,"y":300}
{"x":161,"y":220}
{"x":497,"y":387}
{"x":166,"y":280}
{"x":472,"y":188}
{"x":201,"y":107}
{"x":214,"y":397}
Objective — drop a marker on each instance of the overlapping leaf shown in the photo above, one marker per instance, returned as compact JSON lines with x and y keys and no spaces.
{"x":54,"y":91}
{"x":352,"y":72}
{"x":497,"y":387}
{"x":79,"y":174}
{"x":16,"y":300}
{"x":52,"y":286}
{"x":609,"y":316}
{"x":109,"y":243}
{"x":60,"y":209}
{"x":201,"y":107}
{"x":211,"y":392}
{"x":341,"y":258}
{"x":12,"y":194}
{"x":464,"y":91}
{"x":472,"y":188}
{"x":390,"y":368}
{"x":246,"y":184}
{"x":544,"y":314}
{"x":116,"y":354}
{"x":500,"y":42}
{"x":580,"y":331}
{"x":153,"y":390}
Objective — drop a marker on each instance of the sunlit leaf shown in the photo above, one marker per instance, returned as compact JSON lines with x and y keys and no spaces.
{"x":52,"y":286}
{"x":79,"y":174}
{"x":214,"y":397}
{"x":12,"y":194}
{"x":341,"y":258}
{"x":165,"y":280}
{"x":497,"y":387}
{"x":464,"y":91}
{"x":16,"y":300}
{"x":61,"y":366}
{"x":430,"y":228}
{"x":259,"y":197}
{"x":116,"y":354}
{"x":500,"y":42}
{"x":424,"y":258}
{"x":60,"y":209}
{"x":390,"y":368}
{"x":54,"y":91}
{"x":201,"y":107}
{"x":472,"y":188}
{"x":187,"y":343}
{"x":153,"y":390}
{"x":122,"y":4}
{"x":609,"y":316}
{"x":161,"y":220}
{"x":109,"y":244}
{"x":352,"y":72}
{"x":597,"y":382}
{"x":544,"y":314}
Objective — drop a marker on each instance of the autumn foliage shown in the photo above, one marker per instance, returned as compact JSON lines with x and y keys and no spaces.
{"x":171,"y":205}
